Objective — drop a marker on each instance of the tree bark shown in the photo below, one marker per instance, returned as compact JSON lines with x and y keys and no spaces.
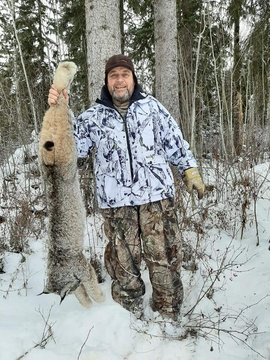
{"x":103,"y":40}
{"x":166,"y":56}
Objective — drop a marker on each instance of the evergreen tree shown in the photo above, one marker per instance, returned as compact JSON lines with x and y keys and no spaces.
{"x":203,"y":40}
{"x":31,"y":27}
{"x":139,"y":39}
{"x":24,"y":45}
{"x":72,"y":32}
{"x":258,"y":60}
{"x":7,"y":94}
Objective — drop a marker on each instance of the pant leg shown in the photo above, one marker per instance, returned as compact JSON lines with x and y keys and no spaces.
{"x":123,"y":256}
{"x":162,"y":253}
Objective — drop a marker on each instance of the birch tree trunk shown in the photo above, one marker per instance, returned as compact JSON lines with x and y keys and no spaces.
{"x":166,"y":56}
{"x":103,"y":40}
{"x":17,"y":94}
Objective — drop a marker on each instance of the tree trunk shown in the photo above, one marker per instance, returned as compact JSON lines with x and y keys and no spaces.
{"x":122,"y":24}
{"x":186,"y":64}
{"x":17,"y":95}
{"x":11,"y":8}
{"x":237,"y":96}
{"x":166,"y":56}
{"x":103,"y":38}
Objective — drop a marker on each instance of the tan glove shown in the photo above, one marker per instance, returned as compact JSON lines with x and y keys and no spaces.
{"x":192,"y":179}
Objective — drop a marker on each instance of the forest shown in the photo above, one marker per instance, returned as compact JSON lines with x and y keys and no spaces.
{"x":208,"y":63}
{"x":220,"y":52}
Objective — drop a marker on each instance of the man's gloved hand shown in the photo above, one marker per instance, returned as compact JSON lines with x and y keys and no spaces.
{"x":192,"y":179}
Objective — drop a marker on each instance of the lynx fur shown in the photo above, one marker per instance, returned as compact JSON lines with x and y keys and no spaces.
{"x":67,"y":268}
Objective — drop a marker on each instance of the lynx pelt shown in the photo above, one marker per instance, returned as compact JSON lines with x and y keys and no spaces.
{"x":67,"y":268}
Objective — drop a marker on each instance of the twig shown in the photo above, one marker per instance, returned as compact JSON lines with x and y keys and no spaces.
{"x":233,"y":334}
{"x":41,"y":344}
{"x":84,"y":342}
{"x":250,"y":306}
{"x":46,"y":334}
{"x":49,"y":329}
{"x":219,"y":271}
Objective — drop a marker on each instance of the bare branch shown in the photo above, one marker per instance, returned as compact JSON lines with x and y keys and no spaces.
{"x":84,"y":342}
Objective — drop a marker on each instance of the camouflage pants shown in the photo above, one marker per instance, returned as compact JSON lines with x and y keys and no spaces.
{"x":151,"y":230}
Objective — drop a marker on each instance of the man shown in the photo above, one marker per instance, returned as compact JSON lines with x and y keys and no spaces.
{"x":135,"y":138}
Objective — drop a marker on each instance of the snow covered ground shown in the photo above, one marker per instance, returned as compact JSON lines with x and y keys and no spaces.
{"x":226,"y":309}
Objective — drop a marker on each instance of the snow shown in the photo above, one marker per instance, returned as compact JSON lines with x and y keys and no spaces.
{"x":231,"y":288}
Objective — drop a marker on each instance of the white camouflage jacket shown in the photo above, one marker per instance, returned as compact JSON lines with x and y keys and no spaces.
{"x":132,"y":154}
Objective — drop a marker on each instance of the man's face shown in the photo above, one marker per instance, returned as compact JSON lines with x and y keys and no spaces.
{"x":120,"y":84}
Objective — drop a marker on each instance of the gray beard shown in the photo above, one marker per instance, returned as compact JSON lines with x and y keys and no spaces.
{"x":121,"y":99}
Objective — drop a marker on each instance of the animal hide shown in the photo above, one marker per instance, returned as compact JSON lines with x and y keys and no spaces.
{"x":67,"y":268}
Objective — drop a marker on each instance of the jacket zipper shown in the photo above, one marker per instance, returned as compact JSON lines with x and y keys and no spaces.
{"x":128,"y":144}
{"x":129,"y":149}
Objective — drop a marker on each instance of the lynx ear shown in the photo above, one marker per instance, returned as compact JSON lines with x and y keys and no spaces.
{"x":64,"y":75}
